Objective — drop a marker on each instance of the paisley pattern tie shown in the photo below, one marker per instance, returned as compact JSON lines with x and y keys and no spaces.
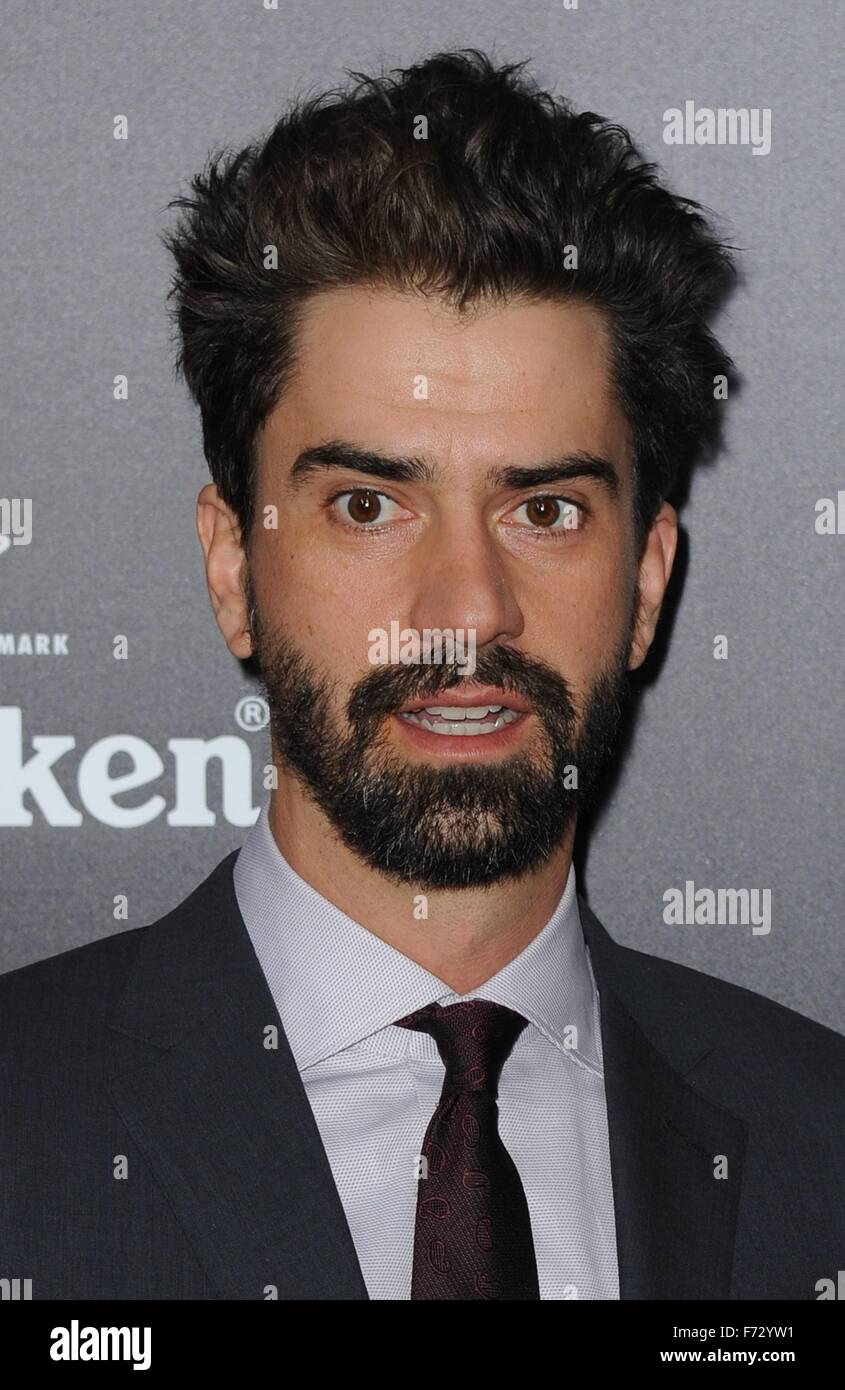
{"x":472,"y":1238}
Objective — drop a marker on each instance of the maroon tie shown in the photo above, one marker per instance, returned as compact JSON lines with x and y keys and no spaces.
{"x":473,"y":1229}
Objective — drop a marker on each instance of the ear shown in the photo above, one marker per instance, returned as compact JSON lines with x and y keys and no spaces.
{"x":654,"y":571}
{"x":225,"y":563}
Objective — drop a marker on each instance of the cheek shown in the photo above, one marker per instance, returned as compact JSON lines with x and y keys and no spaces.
{"x":325,"y":616}
{"x":578,"y":628}
{"x":335,"y":597}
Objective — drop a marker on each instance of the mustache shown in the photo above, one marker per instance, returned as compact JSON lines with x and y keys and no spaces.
{"x":387,"y":689}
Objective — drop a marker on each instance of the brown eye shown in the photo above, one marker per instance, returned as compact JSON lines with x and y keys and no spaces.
{"x":542,"y":511}
{"x":363,"y":505}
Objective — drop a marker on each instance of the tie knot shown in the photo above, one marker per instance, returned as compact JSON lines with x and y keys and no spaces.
{"x":473,"y":1038}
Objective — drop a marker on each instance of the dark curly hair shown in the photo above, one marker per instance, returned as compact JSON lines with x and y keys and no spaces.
{"x":482,"y":209}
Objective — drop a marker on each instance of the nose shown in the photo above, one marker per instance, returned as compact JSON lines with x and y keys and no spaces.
{"x":462,"y":582}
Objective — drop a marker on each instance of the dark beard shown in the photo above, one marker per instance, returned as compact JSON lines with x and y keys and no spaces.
{"x":463,"y":826}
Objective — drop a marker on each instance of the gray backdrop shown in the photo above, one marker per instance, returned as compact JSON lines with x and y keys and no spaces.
{"x":734,"y":775}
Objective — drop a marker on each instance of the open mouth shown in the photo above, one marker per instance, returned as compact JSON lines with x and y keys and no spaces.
{"x":461,"y":721}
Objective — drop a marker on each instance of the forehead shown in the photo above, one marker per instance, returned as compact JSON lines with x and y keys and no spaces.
{"x":511,"y":383}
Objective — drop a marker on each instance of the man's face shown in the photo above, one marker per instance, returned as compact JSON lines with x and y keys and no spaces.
{"x":441,"y":530}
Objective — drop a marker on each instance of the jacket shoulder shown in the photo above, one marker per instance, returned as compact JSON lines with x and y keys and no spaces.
{"x":718,"y":1027}
{"x":81,"y":975}
{"x":736,"y":1007}
{"x":76,"y":990}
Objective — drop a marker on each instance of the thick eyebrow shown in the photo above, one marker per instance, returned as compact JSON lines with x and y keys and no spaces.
{"x":338,"y":454}
{"x":560,"y":470}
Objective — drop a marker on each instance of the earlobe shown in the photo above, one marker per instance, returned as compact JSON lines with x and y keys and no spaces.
{"x":241,"y":645}
{"x":641,"y":636}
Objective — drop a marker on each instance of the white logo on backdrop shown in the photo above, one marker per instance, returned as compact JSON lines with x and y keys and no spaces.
{"x":31,"y":777}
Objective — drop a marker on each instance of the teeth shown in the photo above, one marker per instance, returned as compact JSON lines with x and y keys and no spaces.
{"x":426,"y":719}
{"x":460,"y":711}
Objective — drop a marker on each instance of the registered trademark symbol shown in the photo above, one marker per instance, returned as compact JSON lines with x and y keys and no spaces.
{"x":252,"y":713}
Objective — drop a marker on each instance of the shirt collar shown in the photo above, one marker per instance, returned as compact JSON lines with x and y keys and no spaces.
{"x":335,"y":983}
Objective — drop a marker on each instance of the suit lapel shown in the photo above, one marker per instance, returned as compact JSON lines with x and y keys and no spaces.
{"x":675,"y":1219}
{"x":221,"y":1117}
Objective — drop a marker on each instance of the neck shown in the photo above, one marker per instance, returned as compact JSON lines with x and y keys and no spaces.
{"x":463,"y":936}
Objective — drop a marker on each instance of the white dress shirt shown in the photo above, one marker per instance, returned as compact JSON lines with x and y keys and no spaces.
{"x":373,"y":1087}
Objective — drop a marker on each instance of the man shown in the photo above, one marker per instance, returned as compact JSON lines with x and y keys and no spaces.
{"x":448,"y":340}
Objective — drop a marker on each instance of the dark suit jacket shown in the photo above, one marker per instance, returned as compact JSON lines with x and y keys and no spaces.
{"x":147,"y":1050}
